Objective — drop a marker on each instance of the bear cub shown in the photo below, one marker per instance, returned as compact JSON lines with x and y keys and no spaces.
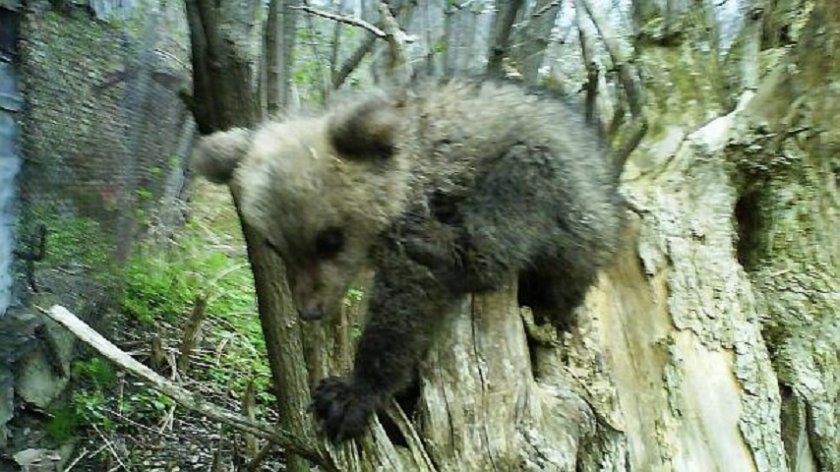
{"x":444,"y":189}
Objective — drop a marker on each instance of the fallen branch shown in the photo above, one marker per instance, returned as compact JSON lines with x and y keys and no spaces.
{"x":186,"y":399}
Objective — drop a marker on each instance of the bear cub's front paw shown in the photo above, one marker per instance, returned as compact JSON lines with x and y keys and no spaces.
{"x":343,"y":409}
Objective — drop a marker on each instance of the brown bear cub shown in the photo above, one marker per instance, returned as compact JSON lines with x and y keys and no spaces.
{"x":445,"y":189}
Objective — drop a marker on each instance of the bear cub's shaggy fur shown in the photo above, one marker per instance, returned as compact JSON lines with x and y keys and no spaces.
{"x":445,"y":189}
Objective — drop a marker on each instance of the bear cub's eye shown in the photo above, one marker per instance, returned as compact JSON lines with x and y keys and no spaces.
{"x":329,"y":242}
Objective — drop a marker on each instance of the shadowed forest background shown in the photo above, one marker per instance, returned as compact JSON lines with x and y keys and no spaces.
{"x":712,"y":343}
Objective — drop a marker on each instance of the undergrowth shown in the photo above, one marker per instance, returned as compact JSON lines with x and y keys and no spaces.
{"x":205,"y":259}
{"x":163,"y":279}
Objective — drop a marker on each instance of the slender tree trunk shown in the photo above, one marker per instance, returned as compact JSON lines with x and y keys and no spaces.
{"x":224,"y":97}
{"x":279,"y":39}
{"x":533,"y":37}
{"x":503,"y":26}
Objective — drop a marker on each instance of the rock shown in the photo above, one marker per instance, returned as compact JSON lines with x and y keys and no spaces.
{"x":37,"y":460}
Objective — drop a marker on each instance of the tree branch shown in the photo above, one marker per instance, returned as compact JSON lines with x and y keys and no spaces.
{"x":396,"y":39}
{"x":355,"y":59}
{"x":620,"y":58}
{"x":183,"y":397}
{"x":348,"y":20}
{"x":629,"y":79}
{"x":638,"y":130}
{"x":592,"y":71}
{"x":361,"y":51}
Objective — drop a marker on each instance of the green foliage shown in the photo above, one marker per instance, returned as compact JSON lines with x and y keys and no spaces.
{"x":155,"y":287}
{"x":162,"y":284}
{"x":63,"y":425}
{"x":89,"y":408}
{"x":93,"y":403}
{"x":145,"y":195}
{"x":92,"y":377}
{"x":353,"y":296}
{"x":96,"y":371}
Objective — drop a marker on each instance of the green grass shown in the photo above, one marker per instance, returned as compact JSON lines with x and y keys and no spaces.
{"x":206,"y":259}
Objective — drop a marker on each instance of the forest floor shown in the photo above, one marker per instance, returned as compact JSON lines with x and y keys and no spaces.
{"x":116,"y":422}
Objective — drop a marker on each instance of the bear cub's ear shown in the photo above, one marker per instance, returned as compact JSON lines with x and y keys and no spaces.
{"x":217,"y":155}
{"x":366,"y":131}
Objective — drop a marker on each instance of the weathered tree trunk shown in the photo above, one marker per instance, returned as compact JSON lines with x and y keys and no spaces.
{"x":711,"y":344}
{"x":721,"y":343}
{"x":788,"y":215}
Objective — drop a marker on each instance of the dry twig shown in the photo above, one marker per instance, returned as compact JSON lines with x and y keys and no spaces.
{"x":81,"y":456}
{"x":192,"y":333}
{"x":259,"y":458}
{"x":110,"y":447}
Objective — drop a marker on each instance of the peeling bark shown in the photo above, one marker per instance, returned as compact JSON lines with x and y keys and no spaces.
{"x":481,"y":406}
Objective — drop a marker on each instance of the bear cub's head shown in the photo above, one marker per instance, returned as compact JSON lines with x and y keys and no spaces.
{"x":319,"y":190}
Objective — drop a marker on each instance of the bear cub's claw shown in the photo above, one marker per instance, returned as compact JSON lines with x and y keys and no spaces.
{"x":343,"y":409}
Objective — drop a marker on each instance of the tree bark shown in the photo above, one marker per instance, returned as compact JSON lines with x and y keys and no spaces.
{"x":460,"y":26}
{"x":789,"y":221}
{"x":279,"y":40}
{"x":738,"y":224}
{"x":503,"y":26}
{"x":533,"y":37}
